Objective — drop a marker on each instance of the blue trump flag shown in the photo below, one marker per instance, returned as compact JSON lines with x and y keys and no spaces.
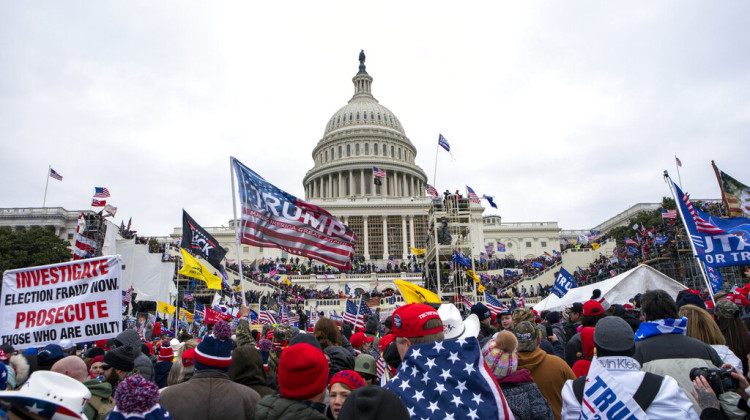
{"x":717,"y":242}
{"x":661,"y":240}
{"x":537,"y":265}
{"x":563,"y":283}
{"x":715,"y":278}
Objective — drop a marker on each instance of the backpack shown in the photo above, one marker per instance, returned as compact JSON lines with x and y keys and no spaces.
{"x":644,"y":395}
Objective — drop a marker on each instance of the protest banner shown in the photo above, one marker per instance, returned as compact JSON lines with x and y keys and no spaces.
{"x":79,"y":300}
{"x":212,"y":316}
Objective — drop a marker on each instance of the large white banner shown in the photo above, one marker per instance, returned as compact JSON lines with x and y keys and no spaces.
{"x":78,"y":300}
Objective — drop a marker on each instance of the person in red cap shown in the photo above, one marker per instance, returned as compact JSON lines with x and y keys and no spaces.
{"x":303,"y":377}
{"x":592,"y":313}
{"x":341,"y":385}
{"x":163,"y":365}
{"x":416,"y":323}
{"x":361,"y":343}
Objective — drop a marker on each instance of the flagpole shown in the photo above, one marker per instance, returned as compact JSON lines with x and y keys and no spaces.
{"x":679,"y":178}
{"x":434,"y":174}
{"x":721,"y":188}
{"x":690,"y":238}
{"x":49,"y":168}
{"x":236,"y":236}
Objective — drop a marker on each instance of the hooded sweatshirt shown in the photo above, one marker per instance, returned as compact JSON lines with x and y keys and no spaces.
{"x":247,"y":369}
{"x":549,"y":373}
{"x":101,"y":402}
{"x":142,"y":362}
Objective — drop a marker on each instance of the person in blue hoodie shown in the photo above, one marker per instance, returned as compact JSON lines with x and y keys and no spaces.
{"x":163,"y":364}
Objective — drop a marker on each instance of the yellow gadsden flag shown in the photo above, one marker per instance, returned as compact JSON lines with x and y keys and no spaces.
{"x":187,"y":315}
{"x":472,"y":276}
{"x":417,"y":251}
{"x":595,"y":245}
{"x":164,"y":308}
{"x":192,"y":268}
{"x":415,"y":294}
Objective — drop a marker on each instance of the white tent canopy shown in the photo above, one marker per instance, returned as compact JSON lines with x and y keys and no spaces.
{"x":618,"y":289}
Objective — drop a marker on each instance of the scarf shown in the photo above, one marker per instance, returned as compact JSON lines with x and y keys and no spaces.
{"x":661,"y":326}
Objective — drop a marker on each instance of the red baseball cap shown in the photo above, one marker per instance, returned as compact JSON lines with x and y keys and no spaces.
{"x":360,"y":338}
{"x":409,"y":320}
{"x":385,"y":341}
{"x":592,"y":307}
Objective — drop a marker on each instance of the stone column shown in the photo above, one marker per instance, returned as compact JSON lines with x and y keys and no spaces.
{"x":351,"y":182}
{"x":366,"y":237}
{"x":362,"y":181}
{"x":405,"y":251}
{"x":411,"y":229}
{"x":385,"y":238}
{"x":330,"y":186}
{"x":342,"y":190}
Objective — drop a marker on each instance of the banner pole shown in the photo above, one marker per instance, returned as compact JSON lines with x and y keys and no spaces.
{"x":236,"y":235}
{"x":44,"y":202}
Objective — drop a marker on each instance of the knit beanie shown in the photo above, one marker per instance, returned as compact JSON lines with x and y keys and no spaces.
{"x":215,"y":350}
{"x":303,"y":372}
{"x":501,"y":354}
{"x":95,"y":351}
{"x":137,"y":398}
{"x":120,"y":358}
{"x":373,"y":402}
{"x":481,"y":311}
{"x":613,"y":336}
{"x":349,"y":378}
{"x":166,"y":354}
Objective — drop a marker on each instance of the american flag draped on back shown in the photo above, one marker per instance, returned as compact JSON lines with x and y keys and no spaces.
{"x":448,"y":380}
{"x":273,"y":218}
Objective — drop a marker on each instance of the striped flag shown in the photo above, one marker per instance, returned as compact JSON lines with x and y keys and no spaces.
{"x":431,"y":190}
{"x":363,"y":309}
{"x":379,"y":173}
{"x":290,"y":224}
{"x":101,"y":192}
{"x":442,"y":142}
{"x":98,"y":203}
{"x":266,"y":317}
{"x":493,"y":303}
{"x":200,"y":309}
{"x":128,"y":295}
{"x":380,"y":364}
{"x":700,"y":223}
{"x":467,"y":303}
{"x":54,"y":174}
{"x":350,"y":315}
{"x":521,"y":301}
{"x":472,"y":195}
{"x":668,"y":214}
{"x":294,"y":318}
{"x":282,"y":315}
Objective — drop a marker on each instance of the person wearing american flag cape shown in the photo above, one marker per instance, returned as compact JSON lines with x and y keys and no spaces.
{"x":438,"y":377}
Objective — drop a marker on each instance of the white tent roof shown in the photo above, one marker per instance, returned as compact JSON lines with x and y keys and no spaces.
{"x":618,"y":289}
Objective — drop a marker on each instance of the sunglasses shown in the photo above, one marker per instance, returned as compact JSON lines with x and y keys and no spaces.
{"x":105,"y":367}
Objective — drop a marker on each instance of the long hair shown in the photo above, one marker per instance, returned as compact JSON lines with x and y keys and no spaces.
{"x":327,"y":333}
{"x":737,"y":337}
{"x":701,"y":325}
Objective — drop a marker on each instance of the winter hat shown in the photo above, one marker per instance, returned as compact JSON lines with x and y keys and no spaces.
{"x":136,"y":398}
{"x":481,"y":311}
{"x":50,"y":395}
{"x":553,"y":317}
{"x":501,"y":354}
{"x":303,"y":372}
{"x":188,"y":357}
{"x":365,"y":364}
{"x":349,"y":378}
{"x":303,"y":338}
{"x":166,"y":354}
{"x":373,"y":402}
{"x":95,"y":351}
{"x":691,"y":299}
{"x":526,"y":334}
{"x":120,"y":358}
{"x":613,"y":335}
{"x":523,"y":314}
{"x":726,"y":309}
{"x":577,"y":308}
{"x":360,"y":339}
{"x":175,"y":344}
{"x":592,"y":308}
{"x":215,"y":351}
{"x":282,"y":334}
{"x":409,"y":320}
{"x":372,"y":326}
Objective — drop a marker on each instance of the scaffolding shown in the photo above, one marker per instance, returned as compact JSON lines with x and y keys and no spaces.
{"x":449,"y":230}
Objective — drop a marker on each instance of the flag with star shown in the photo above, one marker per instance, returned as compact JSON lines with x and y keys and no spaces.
{"x":448,"y":379}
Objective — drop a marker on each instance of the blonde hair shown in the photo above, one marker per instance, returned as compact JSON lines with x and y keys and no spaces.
{"x":701,"y":325}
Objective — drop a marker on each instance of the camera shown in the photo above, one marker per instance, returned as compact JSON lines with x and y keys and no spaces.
{"x":720,"y":380}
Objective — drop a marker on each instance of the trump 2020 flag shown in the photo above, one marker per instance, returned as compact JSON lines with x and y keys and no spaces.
{"x":273,"y":218}
{"x":563,"y":283}
{"x":448,"y":380}
{"x":197,"y":240}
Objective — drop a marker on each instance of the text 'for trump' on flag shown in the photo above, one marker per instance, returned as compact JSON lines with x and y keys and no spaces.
{"x":273,"y":218}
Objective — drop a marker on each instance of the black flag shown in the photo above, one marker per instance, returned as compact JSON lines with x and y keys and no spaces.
{"x":200,"y":242}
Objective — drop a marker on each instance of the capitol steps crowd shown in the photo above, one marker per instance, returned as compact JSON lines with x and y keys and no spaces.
{"x":657,"y":356}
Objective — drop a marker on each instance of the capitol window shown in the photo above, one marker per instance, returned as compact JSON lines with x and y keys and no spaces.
{"x":378,"y":116}
{"x":367,"y":148}
{"x":375,"y":148}
{"x":332,"y":154}
{"x":385,"y":151}
{"x":340,"y":152}
{"x":348,"y":150}
{"x":528,"y":244}
{"x":399,"y":153}
{"x":392,"y":151}
{"x":357,"y":116}
{"x":326,"y":155}
{"x":356,"y":149}
{"x":365,"y":115}
{"x":544,"y":244}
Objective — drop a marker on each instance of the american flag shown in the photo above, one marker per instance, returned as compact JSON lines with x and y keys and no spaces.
{"x":493,"y":303}
{"x":101,"y":192}
{"x":187,"y":296}
{"x":472,"y":195}
{"x":284,"y":319}
{"x":98,"y":203}
{"x":467,"y":303}
{"x":380,"y":365}
{"x":363,"y":309}
{"x":350,"y":315}
{"x":200,"y":310}
{"x":700,"y":223}
{"x":444,"y":143}
{"x":379,"y":173}
{"x":266,"y":317}
{"x":521,"y":301}
{"x":294,"y":318}
{"x":312,"y":233}
{"x":431,"y":190}
{"x":127,"y":295}
{"x":448,"y":379}
{"x":55,"y":175}
{"x":678,"y":161}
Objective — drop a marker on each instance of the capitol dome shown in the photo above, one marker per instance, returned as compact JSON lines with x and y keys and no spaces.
{"x":361,"y":136}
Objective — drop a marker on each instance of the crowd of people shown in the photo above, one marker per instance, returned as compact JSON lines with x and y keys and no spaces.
{"x":655,"y":356}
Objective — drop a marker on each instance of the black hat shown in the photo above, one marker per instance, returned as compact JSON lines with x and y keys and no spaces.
{"x":577,"y":308}
{"x":120,"y":358}
{"x":373,"y":402}
{"x":482,"y":312}
{"x":553,"y":317}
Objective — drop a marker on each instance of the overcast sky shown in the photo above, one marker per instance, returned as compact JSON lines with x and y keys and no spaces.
{"x":564,"y":111}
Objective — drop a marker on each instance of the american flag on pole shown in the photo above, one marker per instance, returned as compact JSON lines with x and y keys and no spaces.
{"x":127,"y":295}
{"x":273,"y":218}
{"x":266,"y":317}
{"x":521,"y":301}
{"x":700,"y":223}
{"x":283,"y":318}
{"x":350,"y":315}
{"x":379,"y":173}
{"x":200,"y":309}
{"x":101,"y":192}
{"x":467,"y":303}
{"x":363,"y":309}
{"x":472,"y":195}
{"x":668,"y":214}
{"x":493,"y":303}
{"x":98,"y":203}
{"x":294,"y":318}
{"x":187,"y":296}
{"x":431,"y":190}
{"x":54,"y":174}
